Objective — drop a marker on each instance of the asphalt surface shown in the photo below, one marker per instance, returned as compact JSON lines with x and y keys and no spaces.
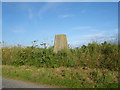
{"x":10,"y":83}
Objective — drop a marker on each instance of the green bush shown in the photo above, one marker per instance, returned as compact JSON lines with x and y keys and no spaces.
{"x":93,"y":55}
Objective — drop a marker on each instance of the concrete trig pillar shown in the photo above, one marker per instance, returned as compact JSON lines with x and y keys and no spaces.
{"x":60,"y":42}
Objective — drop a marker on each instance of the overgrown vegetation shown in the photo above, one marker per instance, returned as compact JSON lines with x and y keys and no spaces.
{"x":64,"y":77}
{"x":94,"y":55}
{"x":95,"y":65}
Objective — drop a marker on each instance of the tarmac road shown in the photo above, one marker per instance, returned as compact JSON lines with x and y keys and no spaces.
{"x":10,"y":83}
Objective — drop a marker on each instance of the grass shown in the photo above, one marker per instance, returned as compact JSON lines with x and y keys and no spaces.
{"x":64,"y":77}
{"x":92,"y":66}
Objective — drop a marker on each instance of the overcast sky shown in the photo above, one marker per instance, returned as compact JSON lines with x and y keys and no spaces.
{"x":82,"y":22}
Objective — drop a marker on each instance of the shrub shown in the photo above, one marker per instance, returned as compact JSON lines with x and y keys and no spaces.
{"x":93,"y":55}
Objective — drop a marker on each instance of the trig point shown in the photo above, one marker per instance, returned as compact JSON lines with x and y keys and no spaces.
{"x":60,"y":42}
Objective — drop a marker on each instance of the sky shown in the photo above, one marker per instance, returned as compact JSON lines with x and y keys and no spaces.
{"x":0,"y":22}
{"x":82,"y":22}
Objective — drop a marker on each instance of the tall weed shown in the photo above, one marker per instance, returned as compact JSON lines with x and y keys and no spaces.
{"x":94,"y":55}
